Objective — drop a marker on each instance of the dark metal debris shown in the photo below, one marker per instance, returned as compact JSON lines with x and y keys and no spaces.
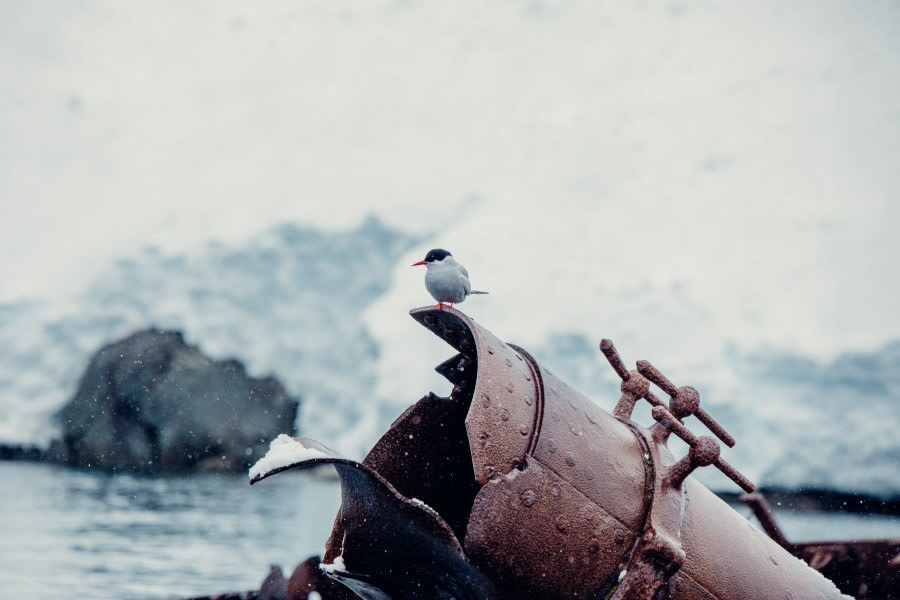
{"x":518,"y":486}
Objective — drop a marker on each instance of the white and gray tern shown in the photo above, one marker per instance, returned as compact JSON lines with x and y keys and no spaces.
{"x":446,"y":280}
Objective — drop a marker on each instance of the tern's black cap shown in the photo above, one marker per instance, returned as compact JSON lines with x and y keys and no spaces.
{"x":436,"y":255}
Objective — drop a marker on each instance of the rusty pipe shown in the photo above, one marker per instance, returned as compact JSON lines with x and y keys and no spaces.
{"x":545,"y":494}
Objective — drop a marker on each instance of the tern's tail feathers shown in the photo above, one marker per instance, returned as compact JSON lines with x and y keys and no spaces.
{"x":477,"y":292}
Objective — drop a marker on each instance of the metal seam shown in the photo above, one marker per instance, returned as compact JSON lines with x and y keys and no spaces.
{"x":539,"y":398}
{"x":649,"y":470}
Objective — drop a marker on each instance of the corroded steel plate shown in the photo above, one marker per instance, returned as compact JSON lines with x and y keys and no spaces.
{"x":425,"y":455}
{"x":727,"y":556}
{"x":505,"y":402}
{"x":595,"y":452}
{"x":542,"y":538}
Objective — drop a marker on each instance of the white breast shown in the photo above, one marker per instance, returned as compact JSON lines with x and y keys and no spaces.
{"x":447,"y":281}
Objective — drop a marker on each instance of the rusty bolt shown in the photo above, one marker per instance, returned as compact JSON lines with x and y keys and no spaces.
{"x":686,"y":465}
{"x":615,"y":361}
{"x":528,"y":498}
{"x":652,"y":373}
{"x":635,"y":386}
{"x":685,"y":402}
{"x":705,"y":452}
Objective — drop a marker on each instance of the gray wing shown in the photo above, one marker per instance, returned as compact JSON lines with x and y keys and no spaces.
{"x":465,"y":279}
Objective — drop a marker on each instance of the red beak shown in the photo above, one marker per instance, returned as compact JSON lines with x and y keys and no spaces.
{"x":421,"y":262}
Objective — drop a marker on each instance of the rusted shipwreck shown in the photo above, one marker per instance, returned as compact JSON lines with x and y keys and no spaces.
{"x":518,"y":486}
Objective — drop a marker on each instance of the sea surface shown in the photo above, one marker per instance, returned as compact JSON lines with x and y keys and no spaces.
{"x":83,"y":534}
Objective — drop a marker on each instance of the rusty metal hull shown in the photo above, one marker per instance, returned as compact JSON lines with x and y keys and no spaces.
{"x":578,"y":488}
{"x":729,"y":559}
{"x":530,"y":526}
{"x":533,"y":491}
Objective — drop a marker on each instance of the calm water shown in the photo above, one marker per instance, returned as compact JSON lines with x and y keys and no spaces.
{"x":81,"y":534}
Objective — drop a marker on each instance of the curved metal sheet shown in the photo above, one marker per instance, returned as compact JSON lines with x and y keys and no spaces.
{"x":595,"y":452}
{"x":425,"y":455}
{"x":541,"y":538}
{"x":727,"y":556}
{"x":502,"y":418}
{"x":394,"y":546}
{"x":519,"y":408}
{"x":399,"y":546}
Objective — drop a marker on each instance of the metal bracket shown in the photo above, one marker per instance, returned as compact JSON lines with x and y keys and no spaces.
{"x":658,"y":555}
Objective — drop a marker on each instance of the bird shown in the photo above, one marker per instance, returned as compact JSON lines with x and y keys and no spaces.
{"x":446,"y":280}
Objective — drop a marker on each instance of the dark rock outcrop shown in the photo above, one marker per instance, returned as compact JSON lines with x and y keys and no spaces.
{"x":19,"y":452}
{"x":151,"y":402}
